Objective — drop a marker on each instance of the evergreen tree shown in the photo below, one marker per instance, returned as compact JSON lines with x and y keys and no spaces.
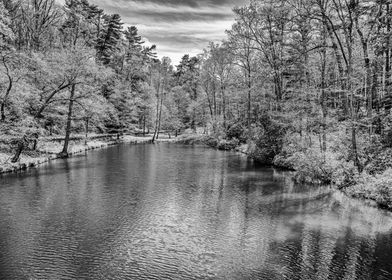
{"x":77,"y":24}
{"x":187,"y":75}
{"x":134,"y":40}
{"x":108,"y":41}
{"x":134,"y":46}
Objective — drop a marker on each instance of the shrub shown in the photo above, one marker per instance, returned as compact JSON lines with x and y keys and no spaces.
{"x":228,"y":144}
{"x":198,"y":140}
{"x":211,"y":141}
{"x":386,"y":138}
{"x":267,"y":141}
{"x":313,"y":166}
{"x":259,"y":154}
{"x":190,"y":139}
{"x":377,"y":188}
{"x":379,"y":162}
{"x":237,"y":131}
{"x":284,"y":161}
{"x":344,"y":174}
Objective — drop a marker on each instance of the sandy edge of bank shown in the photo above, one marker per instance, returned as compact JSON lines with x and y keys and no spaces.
{"x":26,"y":163}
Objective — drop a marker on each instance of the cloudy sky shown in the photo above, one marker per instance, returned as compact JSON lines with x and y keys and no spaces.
{"x":177,"y":27}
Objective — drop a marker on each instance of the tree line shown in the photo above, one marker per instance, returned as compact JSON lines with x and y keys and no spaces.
{"x":305,"y":83}
{"x":296,"y":80}
{"x":71,"y":68}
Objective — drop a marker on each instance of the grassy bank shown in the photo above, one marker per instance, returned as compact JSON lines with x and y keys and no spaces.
{"x":49,"y":148}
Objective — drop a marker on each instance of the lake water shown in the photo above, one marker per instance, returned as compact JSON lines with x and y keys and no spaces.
{"x":169,"y":211}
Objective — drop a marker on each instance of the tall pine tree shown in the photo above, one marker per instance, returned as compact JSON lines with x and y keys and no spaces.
{"x":110,"y":36}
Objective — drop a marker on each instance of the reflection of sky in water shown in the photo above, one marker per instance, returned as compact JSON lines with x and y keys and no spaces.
{"x":175,"y":212}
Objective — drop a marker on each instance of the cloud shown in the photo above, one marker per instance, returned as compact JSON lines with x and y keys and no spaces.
{"x":176,"y":3}
{"x":179,"y":16}
{"x":177,"y":27}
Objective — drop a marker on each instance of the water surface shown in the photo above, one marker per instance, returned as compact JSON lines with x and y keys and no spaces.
{"x":169,"y":211}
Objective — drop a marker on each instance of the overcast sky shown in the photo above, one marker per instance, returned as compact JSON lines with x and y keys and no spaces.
{"x":177,"y":27}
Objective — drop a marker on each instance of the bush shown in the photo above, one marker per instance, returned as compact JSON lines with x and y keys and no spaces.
{"x":283,"y":161}
{"x":190,"y":139}
{"x":228,"y":144}
{"x":211,"y":141}
{"x":344,"y":173}
{"x":267,"y":141}
{"x":377,"y":188}
{"x":198,"y":140}
{"x":379,"y":162}
{"x":259,"y":154}
{"x":237,"y":131}
{"x":313,"y":166}
{"x":386,"y":138}
{"x":285,"y":158}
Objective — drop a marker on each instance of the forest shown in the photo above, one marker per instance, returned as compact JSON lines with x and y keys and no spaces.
{"x":303,"y":85}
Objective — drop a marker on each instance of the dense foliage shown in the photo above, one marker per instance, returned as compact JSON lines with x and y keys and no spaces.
{"x":306,"y":85}
{"x":70,"y":68}
{"x":303,"y":84}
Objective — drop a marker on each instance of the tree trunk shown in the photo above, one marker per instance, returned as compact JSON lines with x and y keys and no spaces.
{"x":86,"y":136}
{"x":354,"y":147}
{"x":157,"y":114}
{"x":22,"y":143}
{"x":375,"y":96}
{"x":156,"y":122}
{"x":324,"y":125}
{"x":223,"y":106}
{"x":64,"y":152}
{"x":194,"y":98}
{"x":368,"y":77}
{"x":144,"y":124}
{"x":323,"y":96}
{"x":2,"y":111}
{"x":160,"y":116}
{"x":249,"y":99}
{"x":7,"y":93}
{"x":210,"y":105}
{"x":35,"y":143}
{"x":214,"y":100}
{"x":387,"y":90}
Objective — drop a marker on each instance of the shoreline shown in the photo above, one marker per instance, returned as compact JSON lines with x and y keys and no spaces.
{"x":242,"y":149}
{"x":49,"y":155}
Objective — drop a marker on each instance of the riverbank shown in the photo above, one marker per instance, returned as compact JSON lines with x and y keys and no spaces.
{"x":177,"y":199}
{"x":49,"y":150}
{"x":309,"y":167}
{"x":312,"y":166}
